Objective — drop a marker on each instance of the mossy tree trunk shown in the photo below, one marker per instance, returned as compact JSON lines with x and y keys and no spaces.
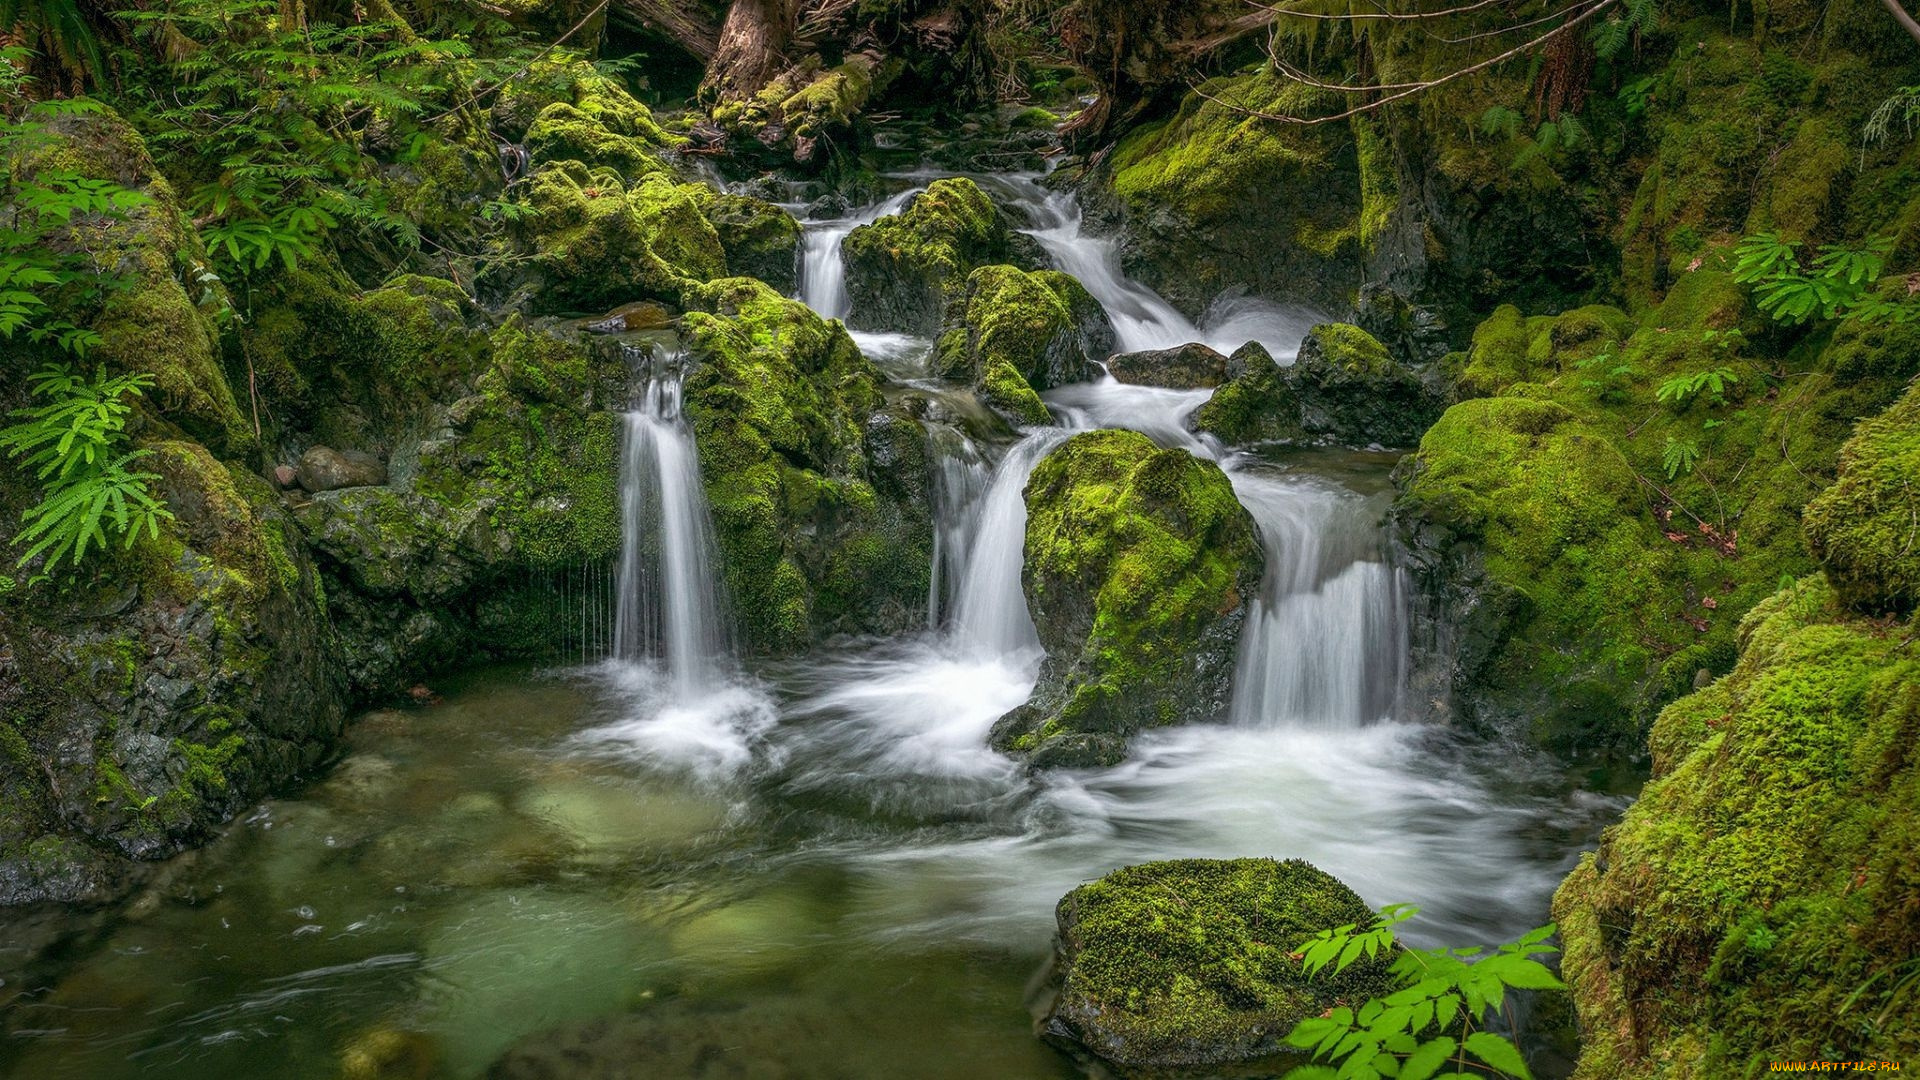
{"x":750,"y":50}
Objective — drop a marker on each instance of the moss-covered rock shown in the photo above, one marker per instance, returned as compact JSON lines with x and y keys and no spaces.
{"x":814,"y":539}
{"x":1011,"y":333}
{"x":1189,"y":963}
{"x":591,"y":119}
{"x":760,"y":239}
{"x":1139,"y":567}
{"x":903,"y":270}
{"x":1343,"y":388}
{"x":598,"y":242}
{"x":1758,"y":902}
{"x":1865,"y":529}
{"x":146,"y":700}
{"x":1529,"y":533}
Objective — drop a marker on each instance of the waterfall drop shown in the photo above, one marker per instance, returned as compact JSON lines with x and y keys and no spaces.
{"x":669,"y":606}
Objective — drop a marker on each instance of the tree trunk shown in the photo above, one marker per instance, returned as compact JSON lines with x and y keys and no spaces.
{"x":682,"y":22}
{"x":1905,"y":20}
{"x":749,"y":53}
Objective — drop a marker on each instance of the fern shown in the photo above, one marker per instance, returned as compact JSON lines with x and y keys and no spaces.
{"x":74,"y":444}
{"x":1714,"y":382}
{"x":1839,"y":285}
{"x":1678,"y":456}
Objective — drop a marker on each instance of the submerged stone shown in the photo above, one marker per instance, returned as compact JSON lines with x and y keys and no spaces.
{"x":1189,"y":963}
{"x":1140,"y":563}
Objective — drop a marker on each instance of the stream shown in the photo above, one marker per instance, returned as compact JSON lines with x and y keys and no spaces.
{"x":671,"y":862}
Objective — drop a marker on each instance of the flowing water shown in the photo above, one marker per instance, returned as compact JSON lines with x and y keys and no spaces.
{"x":675,"y":863}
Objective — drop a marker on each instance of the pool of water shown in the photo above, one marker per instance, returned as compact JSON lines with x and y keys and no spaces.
{"x":817,"y":872}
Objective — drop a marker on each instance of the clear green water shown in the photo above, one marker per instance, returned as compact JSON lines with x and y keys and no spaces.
{"x":849,"y":888}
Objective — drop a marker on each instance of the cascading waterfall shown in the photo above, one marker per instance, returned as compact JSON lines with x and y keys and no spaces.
{"x":668,"y":606}
{"x":1325,"y":644}
{"x":960,"y":478}
{"x":990,"y":617}
{"x":823,"y":278}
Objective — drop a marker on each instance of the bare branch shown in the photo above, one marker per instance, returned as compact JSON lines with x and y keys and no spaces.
{"x":1382,"y":14}
{"x":1905,"y":20}
{"x":1409,"y":89}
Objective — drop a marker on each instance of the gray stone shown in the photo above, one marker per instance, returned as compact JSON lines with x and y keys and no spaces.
{"x":326,"y":469}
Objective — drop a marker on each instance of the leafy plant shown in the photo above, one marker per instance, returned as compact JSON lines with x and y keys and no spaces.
{"x":36,"y":274}
{"x":1902,"y":109}
{"x":74,"y":443}
{"x":1622,"y":26}
{"x":1552,"y":136}
{"x":1435,"y":1021}
{"x":1608,"y":378}
{"x":1839,"y":285}
{"x":1713,"y":382}
{"x":1679,"y":456}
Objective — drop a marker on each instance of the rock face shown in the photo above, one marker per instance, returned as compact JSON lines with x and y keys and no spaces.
{"x":902,"y":270}
{"x":1865,"y":529}
{"x":326,"y":469}
{"x":1343,"y":389}
{"x":1011,"y":333}
{"x":1139,"y":567}
{"x":1186,"y":963}
{"x":1189,"y":367}
{"x":811,"y":480}
{"x":1746,"y":904}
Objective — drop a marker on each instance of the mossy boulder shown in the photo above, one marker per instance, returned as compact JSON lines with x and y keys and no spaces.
{"x":1343,"y":389}
{"x":760,"y":239}
{"x":804,"y":111}
{"x":1865,"y":529}
{"x":1754,"y":900}
{"x":1140,"y":564}
{"x":904,"y":269}
{"x":598,"y":242}
{"x":150,"y":697}
{"x":1528,"y":533}
{"x":1011,"y":333}
{"x":1214,"y":199}
{"x":815,"y":537}
{"x":597,"y":123}
{"x":147,"y":323}
{"x":1189,"y":964}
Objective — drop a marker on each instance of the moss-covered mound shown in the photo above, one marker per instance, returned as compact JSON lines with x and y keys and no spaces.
{"x":1214,"y":198}
{"x":1866,"y":528}
{"x":1190,"y":962}
{"x":598,"y":242}
{"x":903,"y":269}
{"x":1010,"y":333}
{"x":1343,"y":389}
{"x":814,"y":537}
{"x":151,"y":697}
{"x":799,"y":114}
{"x":1628,"y":554}
{"x":760,"y":239}
{"x":1140,"y":564}
{"x":578,"y":114}
{"x":1759,"y":902}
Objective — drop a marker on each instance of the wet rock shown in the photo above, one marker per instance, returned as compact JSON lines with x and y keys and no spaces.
{"x":1011,"y":333}
{"x":326,"y":469}
{"x":285,"y":476}
{"x":1344,"y":389}
{"x":1186,"y":964}
{"x":1413,"y":335}
{"x":1188,"y":367}
{"x":902,"y":270}
{"x":1140,"y":563}
{"x":390,"y":1054}
{"x":639,"y":315}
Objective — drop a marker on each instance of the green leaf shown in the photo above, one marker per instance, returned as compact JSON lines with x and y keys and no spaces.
{"x":1498,"y":1053}
{"x":1427,"y":1060}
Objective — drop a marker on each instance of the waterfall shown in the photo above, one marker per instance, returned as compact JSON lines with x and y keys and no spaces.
{"x":823,"y":277}
{"x":1325,"y":642}
{"x":668,"y":605}
{"x":960,"y":479}
{"x":990,"y":611}
{"x":1142,"y":318}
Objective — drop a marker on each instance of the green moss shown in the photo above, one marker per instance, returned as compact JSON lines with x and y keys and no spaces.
{"x":1866,"y":527}
{"x":1191,"y":961}
{"x":1139,"y":562}
{"x":779,"y":401}
{"x":1004,"y":389}
{"x":599,"y":124}
{"x":760,"y":239}
{"x":903,"y":269}
{"x":602,"y":243}
{"x":1009,"y":331}
{"x":1766,"y":875}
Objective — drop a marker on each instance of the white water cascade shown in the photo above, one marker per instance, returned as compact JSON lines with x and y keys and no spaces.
{"x":669,"y":608}
{"x":823,"y":278}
